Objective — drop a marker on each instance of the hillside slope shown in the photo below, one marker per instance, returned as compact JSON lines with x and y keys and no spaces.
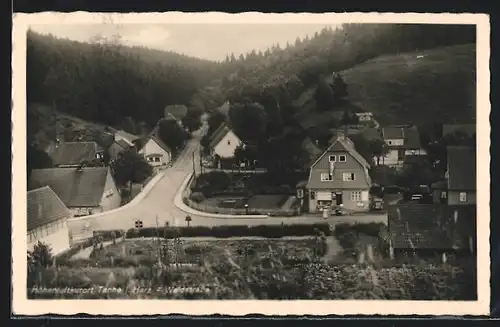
{"x":406,"y":89}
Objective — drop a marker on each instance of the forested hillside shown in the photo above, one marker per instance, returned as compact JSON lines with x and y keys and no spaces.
{"x":106,"y":82}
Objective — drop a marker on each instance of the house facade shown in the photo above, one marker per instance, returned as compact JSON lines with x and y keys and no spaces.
{"x":402,"y":141}
{"x":84,"y":191}
{"x":47,"y":220}
{"x":459,"y":187}
{"x":224,"y":142}
{"x":155,"y":151}
{"x":74,"y":154}
{"x":339,"y":177}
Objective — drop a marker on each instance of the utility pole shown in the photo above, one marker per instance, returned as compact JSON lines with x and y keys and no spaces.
{"x":194,"y":166}
{"x":201,"y":162}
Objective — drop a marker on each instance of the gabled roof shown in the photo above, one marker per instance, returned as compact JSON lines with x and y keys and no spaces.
{"x":155,"y":136}
{"x":76,"y":188}
{"x":469,"y":129}
{"x":219,"y":134}
{"x":409,"y":134}
{"x":44,"y":207}
{"x":431,"y":226}
{"x":345,"y":145}
{"x":127,"y":136}
{"x":74,"y":153}
{"x":461,"y":168}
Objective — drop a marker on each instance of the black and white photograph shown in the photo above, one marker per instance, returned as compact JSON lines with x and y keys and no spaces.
{"x":331,"y":159}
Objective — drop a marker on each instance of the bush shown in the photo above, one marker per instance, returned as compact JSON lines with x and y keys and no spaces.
{"x":269,"y":231}
{"x":197,"y":197}
{"x":109,"y":235}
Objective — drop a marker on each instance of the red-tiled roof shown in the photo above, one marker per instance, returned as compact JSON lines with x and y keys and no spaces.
{"x":76,"y":188}
{"x":44,"y":207}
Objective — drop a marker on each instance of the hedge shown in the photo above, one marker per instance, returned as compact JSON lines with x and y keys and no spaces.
{"x":268,"y":231}
{"x":106,"y":235}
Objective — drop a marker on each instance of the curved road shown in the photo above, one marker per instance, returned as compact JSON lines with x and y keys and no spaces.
{"x":159,"y":203}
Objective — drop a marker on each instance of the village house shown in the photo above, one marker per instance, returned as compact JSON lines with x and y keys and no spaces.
{"x":402,"y":141}
{"x":364,"y":117}
{"x":339,"y":177}
{"x":84,"y":190}
{"x":130,"y":139}
{"x":155,"y":151}
{"x":223,"y":143}
{"x":74,"y":154}
{"x":459,"y":187}
{"x":47,"y":220}
{"x":431,"y":231}
{"x":118,"y":147}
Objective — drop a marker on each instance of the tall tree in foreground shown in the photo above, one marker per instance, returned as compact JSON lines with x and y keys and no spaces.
{"x":130,"y":167}
{"x":249,"y":120}
{"x":172,"y":134}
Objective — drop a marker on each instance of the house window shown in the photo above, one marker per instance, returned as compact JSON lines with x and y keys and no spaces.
{"x":228,"y":142}
{"x":347,"y":177}
{"x":356,"y":196}
{"x":342,"y":158}
{"x":443,"y":195}
{"x":332,"y":158}
{"x":313,"y":195}
{"x":326,"y":177}
{"x":463,"y":197}
{"x":157,"y":159}
{"x":389,"y":142}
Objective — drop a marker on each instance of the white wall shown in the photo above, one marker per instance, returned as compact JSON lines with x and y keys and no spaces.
{"x":57,"y":238}
{"x":225,"y":150}
{"x":111,"y":198}
{"x":152,"y":147}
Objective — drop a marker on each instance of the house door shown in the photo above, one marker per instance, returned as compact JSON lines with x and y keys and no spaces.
{"x":338,"y":198}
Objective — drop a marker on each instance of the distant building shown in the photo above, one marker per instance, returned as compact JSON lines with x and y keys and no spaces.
{"x":84,"y":191}
{"x":74,"y":154}
{"x":402,"y":141}
{"x":224,"y":142}
{"x":339,"y":177}
{"x":155,"y":151}
{"x":459,"y":188}
{"x":47,"y":220}
{"x":430,"y":230}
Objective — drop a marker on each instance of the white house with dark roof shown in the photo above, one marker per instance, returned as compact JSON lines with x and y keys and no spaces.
{"x":402,"y":141}
{"x":47,"y":220}
{"x":224,"y":142}
{"x":155,"y":151}
{"x":84,"y":191}
{"x":339,"y":177}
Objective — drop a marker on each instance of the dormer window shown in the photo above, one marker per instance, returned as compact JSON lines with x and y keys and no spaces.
{"x":342,"y":158}
{"x":332,"y":158}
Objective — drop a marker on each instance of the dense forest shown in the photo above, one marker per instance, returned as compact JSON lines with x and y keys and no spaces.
{"x":106,"y":82}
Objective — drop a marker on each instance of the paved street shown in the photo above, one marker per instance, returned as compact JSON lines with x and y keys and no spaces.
{"x":159,"y":202}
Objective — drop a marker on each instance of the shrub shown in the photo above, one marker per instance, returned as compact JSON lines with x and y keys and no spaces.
{"x":226,"y":231}
{"x":197,"y":197}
